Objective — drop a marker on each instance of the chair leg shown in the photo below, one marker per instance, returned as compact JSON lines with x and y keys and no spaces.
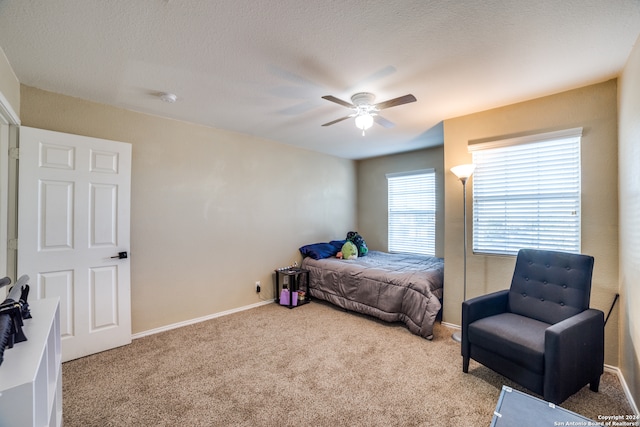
{"x":595,"y":384}
{"x":465,"y":364}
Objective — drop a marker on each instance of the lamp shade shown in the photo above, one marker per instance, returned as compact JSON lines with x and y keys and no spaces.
{"x":463,"y":171}
{"x":364,"y":121}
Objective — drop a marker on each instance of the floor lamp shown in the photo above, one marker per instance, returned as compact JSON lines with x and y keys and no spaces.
{"x":463,"y":172}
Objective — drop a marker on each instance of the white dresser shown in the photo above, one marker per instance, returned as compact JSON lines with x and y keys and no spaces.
{"x":31,"y":373}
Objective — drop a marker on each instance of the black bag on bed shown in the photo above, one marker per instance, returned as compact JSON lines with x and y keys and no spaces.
{"x":357,"y":240}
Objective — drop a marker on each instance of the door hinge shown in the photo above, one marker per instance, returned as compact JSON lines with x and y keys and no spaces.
{"x":12,"y":244}
{"x":14,"y":153}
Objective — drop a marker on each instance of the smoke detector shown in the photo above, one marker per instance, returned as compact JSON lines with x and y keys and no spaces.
{"x":168,"y":97}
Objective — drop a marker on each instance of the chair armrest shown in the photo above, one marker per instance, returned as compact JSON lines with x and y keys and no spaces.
{"x":480,"y":307}
{"x":574,"y":352}
{"x":484,"y":306}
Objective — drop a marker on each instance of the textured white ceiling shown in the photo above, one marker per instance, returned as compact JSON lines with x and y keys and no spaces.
{"x":261,"y":67}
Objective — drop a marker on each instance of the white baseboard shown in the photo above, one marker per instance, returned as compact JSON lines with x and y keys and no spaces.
{"x":608,"y":368}
{"x":450,"y":325}
{"x":616,"y":371}
{"x":198,"y":320}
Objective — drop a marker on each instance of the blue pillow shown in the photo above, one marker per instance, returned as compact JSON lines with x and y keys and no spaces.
{"x":319,"y":250}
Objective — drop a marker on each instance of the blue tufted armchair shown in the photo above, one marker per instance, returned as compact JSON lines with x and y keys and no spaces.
{"x":541,"y":332}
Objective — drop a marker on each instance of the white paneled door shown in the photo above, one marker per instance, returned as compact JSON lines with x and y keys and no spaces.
{"x":73,"y":234}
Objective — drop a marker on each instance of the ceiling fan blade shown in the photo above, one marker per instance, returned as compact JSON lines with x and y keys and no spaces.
{"x":337,"y":120}
{"x":383,"y":122}
{"x":338,"y":101}
{"x":395,"y":102}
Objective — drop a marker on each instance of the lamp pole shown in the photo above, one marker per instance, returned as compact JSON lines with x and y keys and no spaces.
{"x":464,"y":215}
{"x":463,"y":172}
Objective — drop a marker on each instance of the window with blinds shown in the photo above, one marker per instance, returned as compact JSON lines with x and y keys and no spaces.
{"x":526,"y":194}
{"x":412,"y":212}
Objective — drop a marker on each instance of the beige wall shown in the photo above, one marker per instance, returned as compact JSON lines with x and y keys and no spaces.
{"x":212,"y":211}
{"x":593,"y":108}
{"x":629,"y":178}
{"x":372,"y":193}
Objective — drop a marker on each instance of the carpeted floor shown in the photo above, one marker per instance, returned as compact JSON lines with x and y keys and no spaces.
{"x":315,"y":365}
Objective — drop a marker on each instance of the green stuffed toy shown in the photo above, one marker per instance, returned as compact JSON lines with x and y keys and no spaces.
{"x":349,"y":251}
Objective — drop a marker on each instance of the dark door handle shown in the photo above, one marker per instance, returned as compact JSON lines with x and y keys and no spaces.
{"x":121,"y":255}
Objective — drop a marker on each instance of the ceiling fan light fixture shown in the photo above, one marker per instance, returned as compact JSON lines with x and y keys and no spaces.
{"x":364,"y":121}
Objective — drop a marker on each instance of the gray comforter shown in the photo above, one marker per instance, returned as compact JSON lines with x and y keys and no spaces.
{"x":391,"y":287}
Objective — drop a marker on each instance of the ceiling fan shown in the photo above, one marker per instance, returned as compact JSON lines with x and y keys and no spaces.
{"x":365,"y":111}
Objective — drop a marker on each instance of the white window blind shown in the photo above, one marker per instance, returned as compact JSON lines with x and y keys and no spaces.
{"x":527,"y":194}
{"x":412,"y":212}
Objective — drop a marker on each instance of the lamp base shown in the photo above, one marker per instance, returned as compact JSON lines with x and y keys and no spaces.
{"x":457,"y":336}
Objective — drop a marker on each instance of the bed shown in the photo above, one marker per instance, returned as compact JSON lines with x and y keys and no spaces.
{"x":391,"y":287}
